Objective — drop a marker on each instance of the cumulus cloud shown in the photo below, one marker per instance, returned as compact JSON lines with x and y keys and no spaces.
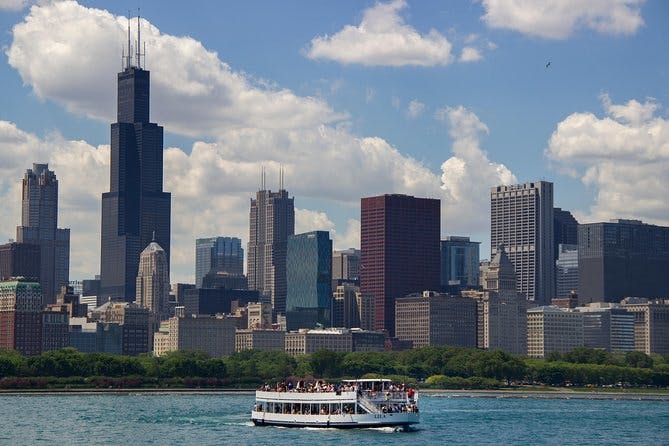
{"x":250,"y":125}
{"x":13,"y":5}
{"x":470,"y":54}
{"x":415,"y":108}
{"x":194,"y":93}
{"x":558,"y":19}
{"x":624,"y":156}
{"x":383,"y":39}
{"x":468,"y":175}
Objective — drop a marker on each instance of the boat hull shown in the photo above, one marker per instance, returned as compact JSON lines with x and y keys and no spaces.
{"x":335,"y":421}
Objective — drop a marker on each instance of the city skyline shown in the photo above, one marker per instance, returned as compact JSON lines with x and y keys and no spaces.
{"x":212,"y":162}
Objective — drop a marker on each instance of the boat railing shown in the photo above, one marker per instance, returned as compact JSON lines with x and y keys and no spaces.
{"x":368,"y":404}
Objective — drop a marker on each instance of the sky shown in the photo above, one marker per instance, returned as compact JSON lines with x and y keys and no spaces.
{"x":352,"y":98}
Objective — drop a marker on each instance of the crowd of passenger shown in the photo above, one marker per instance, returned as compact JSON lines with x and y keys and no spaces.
{"x":311,"y":387}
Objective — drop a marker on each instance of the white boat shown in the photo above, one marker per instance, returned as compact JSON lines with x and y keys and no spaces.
{"x":351,"y":404}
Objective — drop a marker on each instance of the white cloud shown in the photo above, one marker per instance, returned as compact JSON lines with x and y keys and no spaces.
{"x":250,"y":124}
{"x":470,"y":54}
{"x":13,"y":5}
{"x":624,"y":156}
{"x":383,"y":39}
{"x":558,"y":19}
{"x":468,"y":175}
{"x":69,"y":53}
{"x":415,"y":108}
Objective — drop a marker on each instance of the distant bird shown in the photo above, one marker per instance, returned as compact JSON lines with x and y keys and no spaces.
{"x":548,"y":64}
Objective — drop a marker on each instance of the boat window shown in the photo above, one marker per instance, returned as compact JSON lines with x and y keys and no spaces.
{"x":325,"y":409}
{"x":348,"y":408}
{"x":314,"y":409}
{"x":361,"y":409}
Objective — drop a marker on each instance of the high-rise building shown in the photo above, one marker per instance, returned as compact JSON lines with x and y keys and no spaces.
{"x":651,"y":324}
{"x":153,"y":281}
{"x":259,"y":315}
{"x":431,"y":318}
{"x":553,"y":329}
{"x":459,"y":263}
{"x":135,"y":207}
{"x":346,"y":265}
{"x":502,"y":311}
{"x":272,"y":220}
{"x":260,"y":339}
{"x":55,"y":327}
{"x":622,"y":258}
{"x":399,"y":251}
{"x":19,"y":260}
{"x":309,"y":280}
{"x":21,"y":316}
{"x":565,"y":229}
{"x":218,"y":255}
{"x":521,"y":218}
{"x":345,"y":309}
{"x":39,"y":226}
{"x":566,"y":270}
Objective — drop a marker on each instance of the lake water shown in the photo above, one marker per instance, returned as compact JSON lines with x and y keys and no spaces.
{"x":221,"y":419}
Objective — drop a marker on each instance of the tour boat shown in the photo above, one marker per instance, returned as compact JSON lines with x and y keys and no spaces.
{"x":352,"y":404}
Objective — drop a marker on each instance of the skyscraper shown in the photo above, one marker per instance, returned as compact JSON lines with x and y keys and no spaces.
{"x":521,"y":218}
{"x":622,"y":258}
{"x":271,"y":221}
{"x":153,"y":281}
{"x":346,"y":264}
{"x":566,"y":270}
{"x":309,"y":280}
{"x":218,"y":254}
{"x":135,"y":206}
{"x":39,"y":226}
{"x":399,"y":251}
{"x":459,"y":262}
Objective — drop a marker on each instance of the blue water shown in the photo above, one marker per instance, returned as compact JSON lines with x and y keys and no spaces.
{"x":223,"y":419}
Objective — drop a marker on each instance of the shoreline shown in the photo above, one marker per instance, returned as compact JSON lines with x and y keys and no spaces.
{"x":550,"y":393}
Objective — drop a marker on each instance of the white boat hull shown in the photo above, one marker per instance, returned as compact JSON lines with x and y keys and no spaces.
{"x":335,"y":421}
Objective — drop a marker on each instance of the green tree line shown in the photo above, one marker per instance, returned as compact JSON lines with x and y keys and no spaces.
{"x":438,"y":367}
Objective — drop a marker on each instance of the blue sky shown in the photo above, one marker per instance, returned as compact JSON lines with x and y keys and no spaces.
{"x":354,"y":98}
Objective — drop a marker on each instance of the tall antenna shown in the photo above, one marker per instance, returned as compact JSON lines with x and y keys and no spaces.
{"x":281,"y":177}
{"x":139,"y":54}
{"x":129,"y":56}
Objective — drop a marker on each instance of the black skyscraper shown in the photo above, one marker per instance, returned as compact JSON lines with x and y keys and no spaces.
{"x":136,"y":206}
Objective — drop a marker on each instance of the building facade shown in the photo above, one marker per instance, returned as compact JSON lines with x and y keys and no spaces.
{"x":430,"y":318}
{"x":134,"y":323}
{"x":651,"y":324}
{"x":21,"y":316}
{"x":607,"y":327}
{"x":399,"y":251}
{"x":309,"y":280}
{"x":260,"y":339}
{"x":502,"y":311}
{"x":553,"y":329}
{"x":153,"y":281}
{"x":214,"y":335}
{"x":39,"y":226}
{"x":622,"y":258}
{"x":521,"y":218}
{"x":307,"y":341}
{"x":19,"y":260}
{"x":136,"y":210}
{"x":566,"y":270}
{"x":459,"y":263}
{"x":218,"y":255}
{"x":271,"y":221}
{"x":346,"y":265}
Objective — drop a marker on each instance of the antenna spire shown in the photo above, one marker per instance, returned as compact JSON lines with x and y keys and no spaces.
{"x":129,"y":56}
{"x":139,"y":54}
